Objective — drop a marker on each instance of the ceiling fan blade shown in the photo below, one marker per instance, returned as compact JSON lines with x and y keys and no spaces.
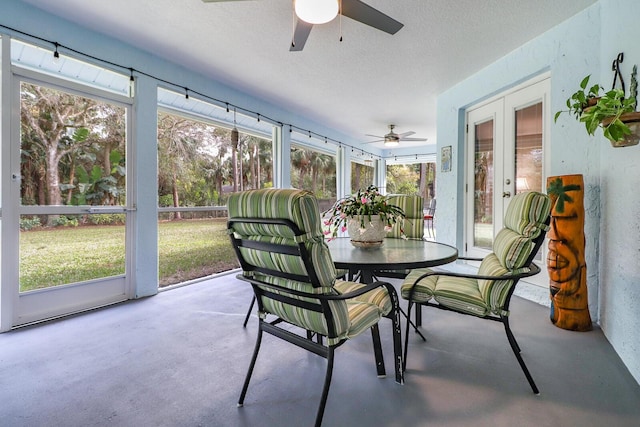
{"x":413,"y":139}
{"x":300,"y":35}
{"x":405,"y":134}
{"x":361,"y":12}
{"x":219,"y":1}
{"x":374,"y":136}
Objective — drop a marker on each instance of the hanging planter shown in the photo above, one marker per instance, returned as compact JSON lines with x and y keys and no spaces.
{"x":611,"y":111}
{"x":632,"y":121}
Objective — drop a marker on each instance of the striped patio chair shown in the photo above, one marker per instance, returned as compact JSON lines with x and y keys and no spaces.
{"x":277,"y":237}
{"x":412,"y":227}
{"x":487,"y":294}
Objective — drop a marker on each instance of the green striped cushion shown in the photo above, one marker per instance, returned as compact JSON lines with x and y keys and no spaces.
{"x":378,"y":297}
{"x":311,"y":320}
{"x":494,"y":292}
{"x":413,"y":224}
{"x":299,"y":206}
{"x":362,"y":316}
{"x":512,"y":249}
{"x":424,"y":288}
{"x":460,"y":294}
{"x":527,"y":213}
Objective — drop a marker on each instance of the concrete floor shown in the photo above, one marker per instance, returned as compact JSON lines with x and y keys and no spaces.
{"x":179,"y":359}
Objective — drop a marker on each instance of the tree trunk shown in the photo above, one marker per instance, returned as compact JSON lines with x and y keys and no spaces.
{"x":176,"y":196}
{"x":356,"y":178}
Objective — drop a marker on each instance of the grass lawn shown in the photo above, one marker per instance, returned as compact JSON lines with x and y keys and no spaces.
{"x":187,"y":250}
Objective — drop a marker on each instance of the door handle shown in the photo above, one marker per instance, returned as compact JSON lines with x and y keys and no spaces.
{"x":506,"y":194}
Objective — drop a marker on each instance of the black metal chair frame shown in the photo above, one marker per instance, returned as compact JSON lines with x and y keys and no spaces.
{"x":279,"y":293}
{"x":533,"y":269}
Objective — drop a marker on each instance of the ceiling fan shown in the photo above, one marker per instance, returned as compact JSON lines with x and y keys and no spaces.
{"x":310,"y":12}
{"x":392,"y":139}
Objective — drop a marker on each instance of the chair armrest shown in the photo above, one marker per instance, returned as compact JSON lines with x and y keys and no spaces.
{"x":357,"y":292}
{"x":363,"y":290}
{"x":531,"y":271}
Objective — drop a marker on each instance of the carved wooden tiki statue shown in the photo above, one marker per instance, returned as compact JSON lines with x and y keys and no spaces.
{"x":565,"y":261}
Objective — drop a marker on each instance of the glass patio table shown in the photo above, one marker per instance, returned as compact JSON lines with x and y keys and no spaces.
{"x":394,"y":254}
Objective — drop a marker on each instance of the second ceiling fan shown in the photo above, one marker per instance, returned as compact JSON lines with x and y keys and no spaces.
{"x":392,"y":138}
{"x":313,"y":12}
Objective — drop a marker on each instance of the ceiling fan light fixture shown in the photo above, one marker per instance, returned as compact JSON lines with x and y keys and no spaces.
{"x":316,"y":11}
{"x":391,"y":142}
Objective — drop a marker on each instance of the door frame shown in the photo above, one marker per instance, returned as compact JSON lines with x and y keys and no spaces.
{"x":18,"y":309}
{"x":532,"y":91}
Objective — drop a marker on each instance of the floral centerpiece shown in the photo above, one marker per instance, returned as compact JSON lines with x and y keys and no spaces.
{"x":366,"y":206}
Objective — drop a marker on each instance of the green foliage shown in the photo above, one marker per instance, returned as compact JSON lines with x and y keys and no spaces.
{"x":606,"y":114}
{"x":28,"y":223}
{"x":166,"y":200}
{"x":95,"y":189}
{"x":580,"y":99}
{"x":106,"y":219}
{"x":63,"y":221}
{"x":596,"y":109}
{"x":80,"y":134}
{"x":403,"y":179}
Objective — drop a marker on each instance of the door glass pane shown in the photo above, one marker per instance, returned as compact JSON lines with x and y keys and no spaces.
{"x":483,"y":186}
{"x":528,"y":155}
{"x":72,"y":153}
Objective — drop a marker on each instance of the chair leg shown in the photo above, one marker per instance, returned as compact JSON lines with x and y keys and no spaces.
{"x":510,"y":336}
{"x":325,"y":390}
{"x":516,"y":351}
{"x":415,"y":326}
{"x":251,"y":366}
{"x":377,"y":351}
{"x":394,"y":315}
{"x":406,"y":337}
{"x":246,"y":319}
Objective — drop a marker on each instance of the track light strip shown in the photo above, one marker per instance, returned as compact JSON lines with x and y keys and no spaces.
{"x":186,"y":90}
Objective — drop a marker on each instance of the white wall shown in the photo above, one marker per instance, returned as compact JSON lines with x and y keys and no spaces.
{"x":620,"y":198}
{"x":585,"y":44}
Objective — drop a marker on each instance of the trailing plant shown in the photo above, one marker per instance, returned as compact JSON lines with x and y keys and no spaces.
{"x":581,"y":99}
{"x":596,"y":108}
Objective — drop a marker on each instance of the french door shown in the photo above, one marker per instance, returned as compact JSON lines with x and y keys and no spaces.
{"x":506,"y":142}
{"x":68,"y":222}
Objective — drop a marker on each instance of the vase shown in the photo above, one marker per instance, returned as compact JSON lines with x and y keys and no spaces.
{"x":371,"y":236}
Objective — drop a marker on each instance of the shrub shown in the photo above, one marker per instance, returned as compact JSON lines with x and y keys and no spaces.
{"x":107,"y":219}
{"x":27,"y":223}
{"x":63,"y":221}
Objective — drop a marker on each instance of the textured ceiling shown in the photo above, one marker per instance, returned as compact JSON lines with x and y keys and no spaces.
{"x":357,"y":86}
